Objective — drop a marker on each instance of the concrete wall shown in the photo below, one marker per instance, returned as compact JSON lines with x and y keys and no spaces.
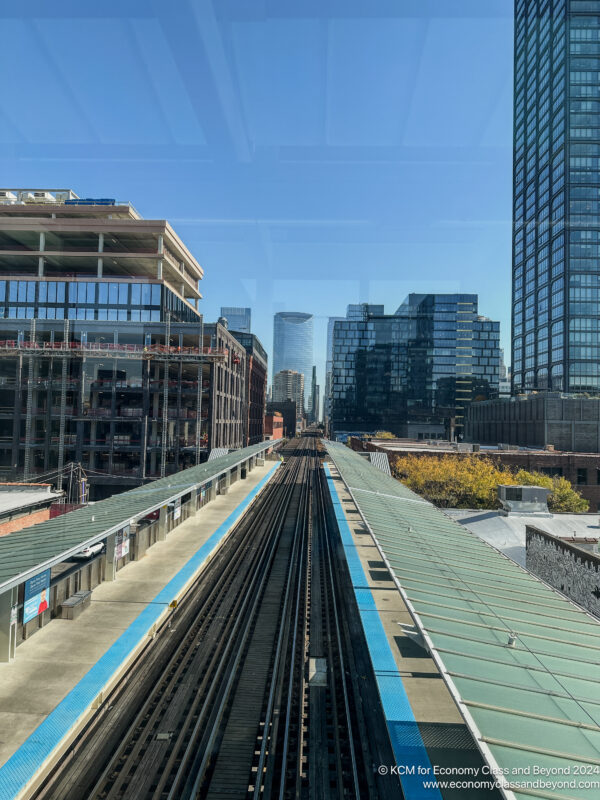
{"x":568,"y":423}
{"x":568,"y":568}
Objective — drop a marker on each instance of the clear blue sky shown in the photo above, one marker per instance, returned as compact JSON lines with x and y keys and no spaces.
{"x":311,"y":153}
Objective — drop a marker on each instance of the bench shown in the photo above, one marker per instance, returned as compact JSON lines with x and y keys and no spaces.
{"x":72,"y":607}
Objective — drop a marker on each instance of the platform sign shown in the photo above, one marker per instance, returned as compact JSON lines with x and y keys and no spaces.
{"x":177,"y":508}
{"x":122,"y":543}
{"x":37,"y":591}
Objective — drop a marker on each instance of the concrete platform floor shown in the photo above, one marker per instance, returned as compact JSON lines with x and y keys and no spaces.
{"x":49,"y":664}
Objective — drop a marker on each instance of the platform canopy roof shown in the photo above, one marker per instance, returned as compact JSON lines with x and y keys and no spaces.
{"x":32,"y":550}
{"x":534,"y":704}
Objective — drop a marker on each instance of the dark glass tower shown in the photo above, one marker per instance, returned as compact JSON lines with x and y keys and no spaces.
{"x":414,"y":372}
{"x":556,"y":238}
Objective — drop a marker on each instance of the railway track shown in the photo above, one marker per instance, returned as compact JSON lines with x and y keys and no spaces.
{"x":251,"y":692}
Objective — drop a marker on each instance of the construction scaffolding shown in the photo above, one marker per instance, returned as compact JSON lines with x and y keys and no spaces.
{"x":79,"y":401}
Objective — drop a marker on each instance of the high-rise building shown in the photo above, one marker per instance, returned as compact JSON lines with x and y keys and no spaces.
{"x":289,"y":385}
{"x":556,"y":240}
{"x":362,"y":310}
{"x":313,"y":398}
{"x":103,"y":359}
{"x":238,"y":319}
{"x":414,"y":372}
{"x":293,"y":333}
{"x":328,"y":368}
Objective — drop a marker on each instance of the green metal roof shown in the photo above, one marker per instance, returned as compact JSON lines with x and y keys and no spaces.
{"x":534,"y":705}
{"x":31,"y":550}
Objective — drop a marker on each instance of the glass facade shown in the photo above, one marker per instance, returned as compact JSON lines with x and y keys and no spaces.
{"x":328,"y":370}
{"x":556,"y":240}
{"x":414,"y":372}
{"x":293,"y":333}
{"x":238,"y":319}
{"x":125,"y":301}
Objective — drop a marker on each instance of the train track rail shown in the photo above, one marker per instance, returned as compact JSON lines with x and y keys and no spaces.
{"x":252,"y":690}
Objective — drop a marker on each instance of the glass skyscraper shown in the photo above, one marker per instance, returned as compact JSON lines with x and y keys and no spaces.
{"x":238,"y":319}
{"x":414,"y":372}
{"x":556,"y":239}
{"x":293,"y":333}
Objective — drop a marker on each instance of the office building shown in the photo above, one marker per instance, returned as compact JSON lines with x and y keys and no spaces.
{"x":313,"y":398}
{"x":102,"y":357}
{"x":238,"y":319}
{"x":413,"y":373}
{"x":328,"y":372}
{"x":256,"y":386}
{"x":293,"y":345}
{"x":289,"y":385}
{"x":556,"y":244}
{"x":358,"y":311}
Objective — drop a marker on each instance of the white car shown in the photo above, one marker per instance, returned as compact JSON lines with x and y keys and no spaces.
{"x":92,"y":550}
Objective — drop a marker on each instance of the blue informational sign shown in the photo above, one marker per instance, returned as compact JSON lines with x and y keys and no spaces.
{"x":37,"y":595}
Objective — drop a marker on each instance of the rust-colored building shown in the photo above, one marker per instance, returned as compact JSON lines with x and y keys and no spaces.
{"x":274,"y":425}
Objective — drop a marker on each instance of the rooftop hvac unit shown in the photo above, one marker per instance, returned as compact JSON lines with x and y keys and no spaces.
{"x":525,"y":500}
{"x":41,"y":197}
{"x":7,"y":197}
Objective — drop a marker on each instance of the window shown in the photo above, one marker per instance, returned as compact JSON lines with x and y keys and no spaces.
{"x":582,"y":476}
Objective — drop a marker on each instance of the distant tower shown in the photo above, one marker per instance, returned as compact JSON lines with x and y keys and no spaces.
{"x":288,"y":385}
{"x":239,"y":319}
{"x":293,"y":343}
{"x":313,"y":400}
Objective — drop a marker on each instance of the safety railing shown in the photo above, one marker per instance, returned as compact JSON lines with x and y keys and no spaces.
{"x":110,"y":347}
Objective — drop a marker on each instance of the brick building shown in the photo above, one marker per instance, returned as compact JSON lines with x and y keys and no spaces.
{"x":274,"y":425}
{"x":256,"y":387}
{"x":581,"y":469}
{"x":24,"y":504}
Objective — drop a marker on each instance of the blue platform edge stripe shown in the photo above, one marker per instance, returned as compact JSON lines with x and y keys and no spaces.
{"x":403,"y":729}
{"x":23,"y":765}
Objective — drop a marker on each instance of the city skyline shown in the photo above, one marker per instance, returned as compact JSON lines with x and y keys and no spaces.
{"x":394,"y":589}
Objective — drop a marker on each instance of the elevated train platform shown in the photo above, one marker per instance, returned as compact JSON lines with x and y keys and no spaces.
{"x":57,"y":678}
{"x":483,"y":670}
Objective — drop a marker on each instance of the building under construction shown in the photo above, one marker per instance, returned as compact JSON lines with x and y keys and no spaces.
{"x":103,"y":358}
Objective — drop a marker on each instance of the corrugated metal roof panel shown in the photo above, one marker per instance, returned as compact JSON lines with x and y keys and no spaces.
{"x":24,"y":552}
